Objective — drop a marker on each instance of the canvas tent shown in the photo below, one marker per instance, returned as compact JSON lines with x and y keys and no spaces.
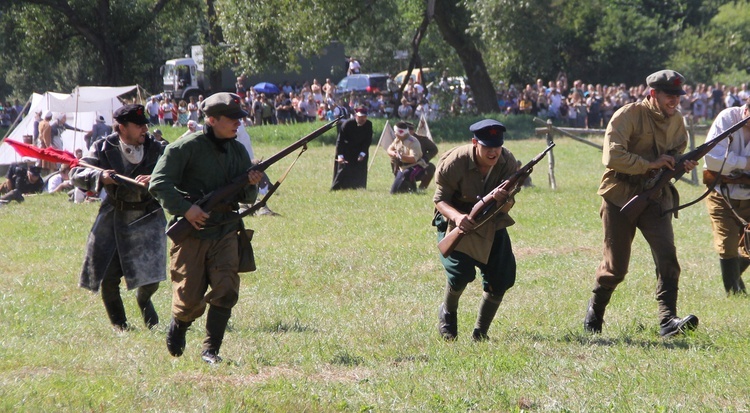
{"x":82,"y":108}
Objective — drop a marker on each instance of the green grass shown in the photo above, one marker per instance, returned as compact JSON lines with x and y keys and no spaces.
{"x":341,"y":314}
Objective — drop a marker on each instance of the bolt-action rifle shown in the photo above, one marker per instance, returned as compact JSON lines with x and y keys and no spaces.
{"x":633,"y":208}
{"x":182,"y":228}
{"x":488,"y":206}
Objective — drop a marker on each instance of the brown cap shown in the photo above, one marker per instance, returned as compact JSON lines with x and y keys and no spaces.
{"x":223,"y":104}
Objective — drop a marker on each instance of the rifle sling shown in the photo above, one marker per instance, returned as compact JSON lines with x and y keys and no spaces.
{"x":263,"y":201}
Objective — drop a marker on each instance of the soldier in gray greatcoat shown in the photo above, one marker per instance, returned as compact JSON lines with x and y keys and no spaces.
{"x":127,"y":239}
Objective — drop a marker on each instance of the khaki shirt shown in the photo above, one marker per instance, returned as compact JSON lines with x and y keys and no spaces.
{"x":460,"y":184}
{"x":637,"y":134}
{"x":408,"y":147}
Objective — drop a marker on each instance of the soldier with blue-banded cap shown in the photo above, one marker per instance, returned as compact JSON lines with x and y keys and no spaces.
{"x":464,"y":175}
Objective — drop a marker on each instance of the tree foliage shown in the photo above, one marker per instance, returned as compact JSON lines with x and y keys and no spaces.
{"x":718,"y":51}
{"x":57,"y":44}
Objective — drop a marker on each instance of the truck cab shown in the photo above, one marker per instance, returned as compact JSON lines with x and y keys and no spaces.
{"x":182,"y":79}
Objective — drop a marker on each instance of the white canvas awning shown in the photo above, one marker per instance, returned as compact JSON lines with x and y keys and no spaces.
{"x":82,"y":108}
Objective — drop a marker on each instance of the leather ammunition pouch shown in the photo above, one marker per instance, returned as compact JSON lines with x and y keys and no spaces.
{"x":245,"y":250}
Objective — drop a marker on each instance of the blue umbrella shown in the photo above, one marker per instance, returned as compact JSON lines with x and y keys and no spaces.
{"x":267,"y":88}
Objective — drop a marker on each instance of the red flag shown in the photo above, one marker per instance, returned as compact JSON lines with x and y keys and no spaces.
{"x":59,"y":156}
{"x":46,"y":154}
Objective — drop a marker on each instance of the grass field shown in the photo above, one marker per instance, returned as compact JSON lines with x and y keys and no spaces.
{"x":341,"y":314}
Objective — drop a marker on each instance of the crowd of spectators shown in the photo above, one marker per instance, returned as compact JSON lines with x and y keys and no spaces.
{"x":165,"y":111}
{"x":9,"y":112}
{"x":583,"y":105}
{"x":578,"y":105}
{"x":313,"y":101}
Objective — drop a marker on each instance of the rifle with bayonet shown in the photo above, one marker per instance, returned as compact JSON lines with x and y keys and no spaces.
{"x":488,"y":206}
{"x":633,"y":208}
{"x":182,"y":228}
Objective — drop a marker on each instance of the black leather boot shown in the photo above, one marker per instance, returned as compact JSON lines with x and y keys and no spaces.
{"x":148,"y":312}
{"x":216,"y":324}
{"x":176,"y":336}
{"x":116,"y":313}
{"x":669,"y":323}
{"x":594,"y":319}
{"x":731,"y":275}
{"x":676,"y":325}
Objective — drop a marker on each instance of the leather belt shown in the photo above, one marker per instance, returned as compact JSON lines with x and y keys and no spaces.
{"x":130,"y":206}
{"x":633,"y":179}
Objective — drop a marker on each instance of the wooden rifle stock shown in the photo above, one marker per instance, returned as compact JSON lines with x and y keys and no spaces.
{"x":182,"y":228}
{"x":633,"y":208}
{"x":486,"y":207}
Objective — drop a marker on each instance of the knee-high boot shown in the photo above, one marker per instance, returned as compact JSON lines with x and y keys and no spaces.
{"x":487,"y":310}
{"x":744,"y":263}
{"x":148,"y":312}
{"x":731,"y":270}
{"x":448,"y":312}
{"x":594,"y":319}
{"x":669,"y":323}
{"x":116,"y":313}
{"x":216,"y":324}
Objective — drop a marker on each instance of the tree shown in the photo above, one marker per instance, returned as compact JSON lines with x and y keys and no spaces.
{"x":522,"y":40}
{"x":57,"y":44}
{"x":453,"y":21}
{"x":708,"y":53}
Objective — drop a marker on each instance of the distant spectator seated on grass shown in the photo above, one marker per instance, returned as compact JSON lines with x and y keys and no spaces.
{"x":192,"y":127}
{"x":159,"y":138}
{"x":22,"y":179}
{"x":60,"y":180}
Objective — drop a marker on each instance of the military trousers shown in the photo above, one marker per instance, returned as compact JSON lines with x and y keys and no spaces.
{"x":498,"y":275}
{"x":619,"y":233}
{"x":197,"y":264}
{"x":727,"y":229}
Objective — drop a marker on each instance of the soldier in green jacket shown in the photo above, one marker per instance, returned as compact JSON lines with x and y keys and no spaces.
{"x":189,"y":169}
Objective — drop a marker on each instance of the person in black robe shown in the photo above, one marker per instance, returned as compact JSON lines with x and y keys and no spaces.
{"x":352,"y":152}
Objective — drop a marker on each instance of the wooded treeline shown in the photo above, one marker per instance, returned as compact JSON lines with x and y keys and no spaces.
{"x":58,"y":44}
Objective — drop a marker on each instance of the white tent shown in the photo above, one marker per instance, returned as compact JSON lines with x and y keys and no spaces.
{"x":82,"y":108}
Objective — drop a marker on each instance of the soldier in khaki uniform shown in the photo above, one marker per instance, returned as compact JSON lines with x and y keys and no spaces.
{"x":465,"y":174}
{"x":642,"y":138}
{"x":406,"y":155}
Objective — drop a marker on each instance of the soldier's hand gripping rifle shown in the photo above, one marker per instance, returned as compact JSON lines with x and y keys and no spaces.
{"x":488,"y":207}
{"x":182,"y":228}
{"x":633,"y":208}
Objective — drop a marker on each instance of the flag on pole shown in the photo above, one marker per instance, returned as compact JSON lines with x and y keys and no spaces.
{"x":384,"y":142}
{"x":387,"y":137}
{"x":423,"y":129}
{"x":59,"y":156}
{"x":46,"y":154}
